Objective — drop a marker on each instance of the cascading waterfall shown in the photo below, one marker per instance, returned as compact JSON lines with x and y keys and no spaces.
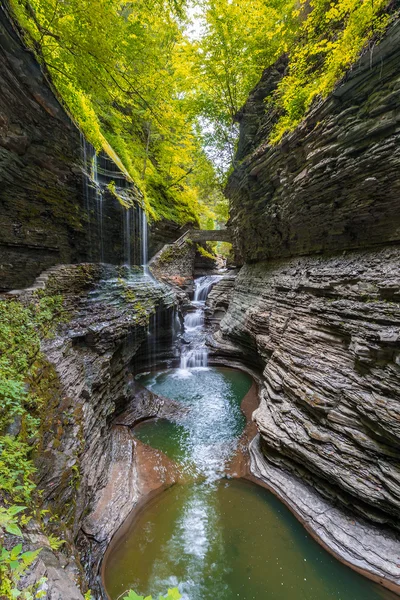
{"x":134,"y":226}
{"x":93,"y":202}
{"x":127,"y":237}
{"x":98,"y":206}
{"x":194,"y":352}
{"x":203,"y":287}
{"x":86,"y":149}
{"x":144,"y":238}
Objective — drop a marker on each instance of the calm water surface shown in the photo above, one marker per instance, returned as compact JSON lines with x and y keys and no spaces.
{"x":219,"y":539}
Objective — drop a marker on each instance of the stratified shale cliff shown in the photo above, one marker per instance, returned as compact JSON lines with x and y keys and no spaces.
{"x":316,"y":307}
{"x":87,"y":459}
{"x":332,"y":184}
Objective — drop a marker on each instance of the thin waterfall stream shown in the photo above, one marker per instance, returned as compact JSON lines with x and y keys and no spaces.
{"x":100,"y":191}
{"x":212,"y":534}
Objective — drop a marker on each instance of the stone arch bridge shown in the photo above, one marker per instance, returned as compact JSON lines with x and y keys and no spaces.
{"x":205,"y":235}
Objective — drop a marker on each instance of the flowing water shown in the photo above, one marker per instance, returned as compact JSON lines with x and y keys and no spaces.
{"x":144,"y":236}
{"x":214,"y":537}
{"x":134,"y":220}
{"x":194,"y":352}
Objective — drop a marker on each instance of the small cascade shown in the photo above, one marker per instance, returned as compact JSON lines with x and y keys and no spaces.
{"x":153,"y":333}
{"x":203,"y":287}
{"x":194,"y":353}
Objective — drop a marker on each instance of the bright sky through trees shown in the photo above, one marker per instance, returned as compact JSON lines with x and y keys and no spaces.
{"x":161,"y":80}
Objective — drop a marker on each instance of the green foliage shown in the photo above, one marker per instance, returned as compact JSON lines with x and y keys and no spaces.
{"x":203,"y":252}
{"x":55,"y":542}
{"x":13,"y":564}
{"x":21,"y":329}
{"x":162,"y":102}
{"x":118,"y":67}
{"x":330,"y":38}
{"x":16,"y":469}
{"x":173,"y":594}
{"x":240,"y":39}
{"x":8,"y":520}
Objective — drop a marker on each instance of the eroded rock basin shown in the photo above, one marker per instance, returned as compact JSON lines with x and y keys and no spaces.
{"x":213,"y":536}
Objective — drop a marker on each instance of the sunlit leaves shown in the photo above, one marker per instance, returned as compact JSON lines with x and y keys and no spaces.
{"x":330,"y":38}
{"x":119,"y":68}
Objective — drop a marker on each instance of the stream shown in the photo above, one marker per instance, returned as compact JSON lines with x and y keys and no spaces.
{"x":213,"y":535}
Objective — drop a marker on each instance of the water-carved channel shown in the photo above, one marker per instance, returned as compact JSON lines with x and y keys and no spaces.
{"x":214,"y":534}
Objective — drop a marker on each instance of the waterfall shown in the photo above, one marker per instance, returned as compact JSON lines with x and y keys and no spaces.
{"x":87,"y":152}
{"x":194,"y":353}
{"x":203,"y":287}
{"x":144,"y":243}
{"x":127,"y":214}
{"x":93,"y":202}
{"x":124,"y":242}
{"x":98,"y":206}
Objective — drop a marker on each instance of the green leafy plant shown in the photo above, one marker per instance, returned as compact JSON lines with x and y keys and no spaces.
{"x":15,"y":562}
{"x":55,"y":542}
{"x":21,"y":328}
{"x":8,"y":520}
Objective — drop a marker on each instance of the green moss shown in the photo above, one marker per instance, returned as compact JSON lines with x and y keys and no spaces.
{"x":203,"y":252}
{"x":173,"y":253}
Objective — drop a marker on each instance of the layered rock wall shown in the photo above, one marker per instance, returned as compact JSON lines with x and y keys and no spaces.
{"x":316,"y":308}
{"x":333,"y":183}
{"x":56,"y":202}
{"x":86,"y":460}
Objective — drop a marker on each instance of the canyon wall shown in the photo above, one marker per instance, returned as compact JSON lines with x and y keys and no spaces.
{"x":333,"y":184}
{"x":316,"y":308}
{"x":87,"y":459}
{"x":56,"y":202}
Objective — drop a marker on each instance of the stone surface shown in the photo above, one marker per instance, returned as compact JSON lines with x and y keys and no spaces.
{"x":325,"y":333}
{"x":55,"y":206}
{"x":86,"y":464}
{"x":218,"y":299}
{"x":210,"y":235}
{"x":174,"y":264}
{"x":333,"y":183}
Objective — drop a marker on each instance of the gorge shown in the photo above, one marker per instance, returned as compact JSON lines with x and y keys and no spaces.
{"x":173,"y":411}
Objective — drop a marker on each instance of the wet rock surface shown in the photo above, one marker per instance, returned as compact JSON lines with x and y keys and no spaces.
{"x":86,"y":462}
{"x":325,"y":332}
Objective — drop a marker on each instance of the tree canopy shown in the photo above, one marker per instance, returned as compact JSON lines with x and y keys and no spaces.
{"x":138,"y":80}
